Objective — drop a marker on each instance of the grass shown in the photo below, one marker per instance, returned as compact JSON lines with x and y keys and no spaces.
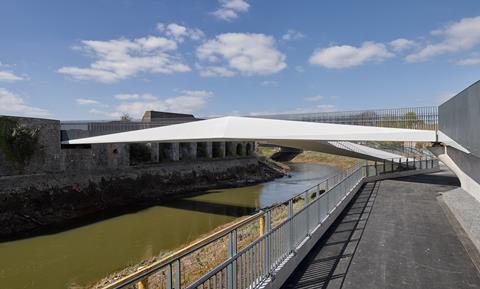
{"x":312,"y":158}
{"x":325,"y":159}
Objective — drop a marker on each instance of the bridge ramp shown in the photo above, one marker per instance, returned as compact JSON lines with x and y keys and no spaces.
{"x":394,"y":234}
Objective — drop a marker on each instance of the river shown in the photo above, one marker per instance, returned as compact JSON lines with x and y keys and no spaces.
{"x":82,"y":255}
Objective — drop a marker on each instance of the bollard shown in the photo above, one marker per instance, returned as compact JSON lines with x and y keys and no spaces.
{"x":262,"y":225}
{"x":143,"y":284}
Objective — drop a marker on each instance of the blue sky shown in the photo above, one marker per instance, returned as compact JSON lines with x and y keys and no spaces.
{"x":100,"y":59}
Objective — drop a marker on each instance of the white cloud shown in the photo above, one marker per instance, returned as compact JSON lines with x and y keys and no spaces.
{"x":136,"y":104}
{"x":85,"y":101}
{"x":189,"y":101}
{"x":402,"y":44}
{"x":292,"y":35}
{"x":15,"y":105}
{"x":179,"y":32}
{"x":314,"y":109}
{"x":346,"y":56}
{"x":229,"y":9}
{"x":314,"y":98}
{"x":123,"y":58}
{"x":211,"y":71}
{"x":8,"y":76}
{"x":103,"y":113}
{"x":469,"y":61}
{"x":126,"y":96}
{"x":300,"y":69}
{"x":249,"y":54}
{"x":458,"y":36}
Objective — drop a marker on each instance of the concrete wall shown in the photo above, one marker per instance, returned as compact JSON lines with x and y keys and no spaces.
{"x":465,"y":166}
{"x":459,"y":118}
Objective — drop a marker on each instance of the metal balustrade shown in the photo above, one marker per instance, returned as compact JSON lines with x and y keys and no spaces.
{"x":411,"y":117}
{"x":249,"y":252}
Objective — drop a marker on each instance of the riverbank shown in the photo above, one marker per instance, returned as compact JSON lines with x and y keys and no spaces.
{"x":46,"y":203}
{"x":214,"y":255}
{"x":311,"y":157}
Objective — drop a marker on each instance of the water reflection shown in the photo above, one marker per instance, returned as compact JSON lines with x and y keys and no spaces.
{"x":88,"y":253}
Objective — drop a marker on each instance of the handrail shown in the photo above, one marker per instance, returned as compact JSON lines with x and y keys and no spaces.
{"x":182,"y":252}
{"x":334,"y":189}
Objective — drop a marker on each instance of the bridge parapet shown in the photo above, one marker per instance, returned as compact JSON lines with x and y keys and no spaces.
{"x":425,"y":118}
{"x":263,"y":249}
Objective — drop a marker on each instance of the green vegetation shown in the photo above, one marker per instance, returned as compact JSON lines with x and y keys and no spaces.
{"x":326,"y":159}
{"x":17,"y":141}
{"x":311,"y":157}
{"x":266,"y":151}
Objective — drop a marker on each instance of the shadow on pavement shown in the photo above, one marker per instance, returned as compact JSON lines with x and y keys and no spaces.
{"x":328,"y":262}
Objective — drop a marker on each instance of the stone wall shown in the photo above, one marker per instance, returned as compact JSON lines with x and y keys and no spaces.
{"x":47,"y":156}
{"x":62,"y":183}
{"x":32,"y":204}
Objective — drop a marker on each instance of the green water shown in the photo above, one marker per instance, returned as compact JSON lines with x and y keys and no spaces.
{"x":85,"y":254}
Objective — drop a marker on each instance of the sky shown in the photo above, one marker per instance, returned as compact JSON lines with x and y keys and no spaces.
{"x":101,"y":59}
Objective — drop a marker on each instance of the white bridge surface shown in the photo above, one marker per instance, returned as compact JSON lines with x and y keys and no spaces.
{"x":329,"y":138}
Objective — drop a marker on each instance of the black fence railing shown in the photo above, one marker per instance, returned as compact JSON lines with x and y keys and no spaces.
{"x":95,"y":128}
{"x":412,"y":118}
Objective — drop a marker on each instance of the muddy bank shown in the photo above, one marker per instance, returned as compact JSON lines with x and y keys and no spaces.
{"x":35,"y":204}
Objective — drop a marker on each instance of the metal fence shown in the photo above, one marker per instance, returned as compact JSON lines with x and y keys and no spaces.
{"x":245,"y":254}
{"x":95,"y":128}
{"x":412,"y":118}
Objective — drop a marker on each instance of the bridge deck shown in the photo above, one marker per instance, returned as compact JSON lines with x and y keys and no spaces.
{"x":394,"y":234}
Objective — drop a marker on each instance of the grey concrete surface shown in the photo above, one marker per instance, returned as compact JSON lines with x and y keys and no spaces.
{"x":459,"y":117}
{"x":466,"y":210}
{"x":394,"y":235}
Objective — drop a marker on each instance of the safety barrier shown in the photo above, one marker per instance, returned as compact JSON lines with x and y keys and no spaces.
{"x":252,"y":251}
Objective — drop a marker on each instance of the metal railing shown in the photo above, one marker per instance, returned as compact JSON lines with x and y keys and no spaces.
{"x":411,"y":118}
{"x":247,"y":253}
{"x":95,"y":128}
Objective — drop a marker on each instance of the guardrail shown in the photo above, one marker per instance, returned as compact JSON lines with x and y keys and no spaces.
{"x":410,"y":117}
{"x":249,"y":252}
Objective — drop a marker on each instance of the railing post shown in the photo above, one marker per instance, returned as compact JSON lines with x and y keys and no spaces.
{"x":231,"y":269}
{"x":290,"y":217}
{"x":384,"y":166}
{"x":178,"y":285}
{"x":169,"y":277}
{"x":307,"y":223}
{"x":266,"y":253}
{"x":392,"y":167}
{"x":376,"y":171}
{"x":414,"y":165}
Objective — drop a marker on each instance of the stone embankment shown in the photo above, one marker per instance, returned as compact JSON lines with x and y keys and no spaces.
{"x":36,"y":203}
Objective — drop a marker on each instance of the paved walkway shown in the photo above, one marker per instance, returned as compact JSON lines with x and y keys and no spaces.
{"x":394,"y":234}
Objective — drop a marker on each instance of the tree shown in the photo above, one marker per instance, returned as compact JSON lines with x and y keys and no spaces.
{"x":126,"y":117}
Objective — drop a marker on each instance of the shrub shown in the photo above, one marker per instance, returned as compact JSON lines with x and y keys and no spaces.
{"x":17,"y":141}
